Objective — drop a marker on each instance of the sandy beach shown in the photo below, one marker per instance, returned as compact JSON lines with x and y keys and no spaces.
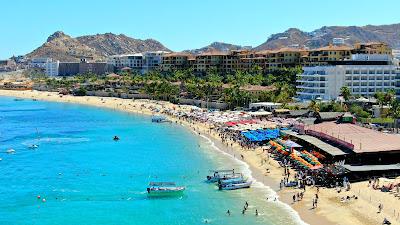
{"x":330,"y":210}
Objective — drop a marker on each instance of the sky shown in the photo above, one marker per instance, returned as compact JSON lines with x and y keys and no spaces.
{"x":181,"y":24}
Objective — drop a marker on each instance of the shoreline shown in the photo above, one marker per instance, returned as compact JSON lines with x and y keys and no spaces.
{"x":330,"y":210}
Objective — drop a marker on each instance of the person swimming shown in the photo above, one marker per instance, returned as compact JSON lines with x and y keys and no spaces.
{"x":116,"y":138}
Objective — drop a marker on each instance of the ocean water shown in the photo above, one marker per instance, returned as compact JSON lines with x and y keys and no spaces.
{"x":87,"y":178}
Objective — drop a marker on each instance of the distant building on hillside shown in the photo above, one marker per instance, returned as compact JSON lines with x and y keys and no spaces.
{"x":7,"y":65}
{"x":83,"y":67}
{"x":338,"y":41}
{"x":49,"y":67}
{"x":140,"y":62}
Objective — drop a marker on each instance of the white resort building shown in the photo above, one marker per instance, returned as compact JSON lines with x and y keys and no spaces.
{"x":141,"y":62}
{"x":49,"y":66}
{"x":364,"y":75}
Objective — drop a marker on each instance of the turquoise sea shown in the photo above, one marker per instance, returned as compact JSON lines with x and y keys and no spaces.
{"x":87,"y":178}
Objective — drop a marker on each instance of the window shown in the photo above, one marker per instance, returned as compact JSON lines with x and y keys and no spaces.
{"x":371,"y":78}
{"x":372,"y":72}
{"x":348,"y":71}
{"x":356,"y":72}
{"x":364,"y":72}
{"x":356,"y":78}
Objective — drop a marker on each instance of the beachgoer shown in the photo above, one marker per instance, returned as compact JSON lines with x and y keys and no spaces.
{"x":228,"y":212}
{"x":380,"y":207}
{"x":256,"y":212}
{"x":294,"y":198}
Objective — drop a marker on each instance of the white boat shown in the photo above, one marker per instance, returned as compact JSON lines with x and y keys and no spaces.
{"x":235,"y":180}
{"x":162,"y":189}
{"x":10,"y":151}
{"x":33,"y":146}
{"x":222,"y":175}
{"x":235,"y":186}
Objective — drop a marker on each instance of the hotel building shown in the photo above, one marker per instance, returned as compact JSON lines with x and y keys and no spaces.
{"x":141,"y":62}
{"x":363,"y":74}
{"x":49,"y":66}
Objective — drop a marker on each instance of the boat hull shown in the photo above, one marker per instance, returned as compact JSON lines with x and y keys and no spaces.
{"x":235,"y":186}
{"x":165,"y":193}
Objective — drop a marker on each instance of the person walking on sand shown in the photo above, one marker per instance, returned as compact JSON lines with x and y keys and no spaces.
{"x":294,"y":198}
{"x":380,"y":207}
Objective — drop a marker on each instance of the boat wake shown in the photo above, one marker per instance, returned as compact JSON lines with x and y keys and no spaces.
{"x":49,"y":140}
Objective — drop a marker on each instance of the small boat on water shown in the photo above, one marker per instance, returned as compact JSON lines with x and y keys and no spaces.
{"x":222,"y":175}
{"x":10,"y":151}
{"x":235,"y":186}
{"x":18,"y":99}
{"x":33,"y":146}
{"x":158,"y":119}
{"x":162,"y":189}
{"x":235,"y":180}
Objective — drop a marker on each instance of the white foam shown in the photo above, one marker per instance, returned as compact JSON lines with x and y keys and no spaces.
{"x":271,"y":194}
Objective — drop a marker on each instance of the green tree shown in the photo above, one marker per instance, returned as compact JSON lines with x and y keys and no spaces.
{"x":345,"y":92}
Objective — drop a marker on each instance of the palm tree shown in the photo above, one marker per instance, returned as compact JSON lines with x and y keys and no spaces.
{"x":345,"y":92}
{"x":314,"y":106}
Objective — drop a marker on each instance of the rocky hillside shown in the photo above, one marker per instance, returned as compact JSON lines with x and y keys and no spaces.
{"x":216,"y":46}
{"x":323,"y":36}
{"x":62,"y":47}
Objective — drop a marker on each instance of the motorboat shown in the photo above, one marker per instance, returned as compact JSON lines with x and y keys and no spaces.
{"x":235,"y":186}
{"x":222,"y":175}
{"x":33,"y":146}
{"x":10,"y":151}
{"x":161,"y":189}
{"x":235,"y":180}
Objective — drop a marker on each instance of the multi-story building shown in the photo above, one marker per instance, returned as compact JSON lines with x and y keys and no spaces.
{"x":372,"y":48}
{"x":269,"y":60}
{"x":363,"y":74}
{"x":49,"y":67}
{"x":82,"y":67}
{"x":326,"y":55}
{"x":176,"y":60}
{"x":205,"y":61}
{"x":140,"y":62}
{"x":7,"y":65}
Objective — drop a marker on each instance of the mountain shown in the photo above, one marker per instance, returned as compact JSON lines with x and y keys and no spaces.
{"x":60,"y":46}
{"x":111,"y":44}
{"x":293,"y":37}
{"x":217,"y":46}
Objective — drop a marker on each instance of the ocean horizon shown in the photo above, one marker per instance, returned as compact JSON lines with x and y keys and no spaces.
{"x":87,"y":178}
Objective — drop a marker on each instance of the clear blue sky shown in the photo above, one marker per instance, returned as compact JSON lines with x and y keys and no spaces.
{"x":180,"y":24}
